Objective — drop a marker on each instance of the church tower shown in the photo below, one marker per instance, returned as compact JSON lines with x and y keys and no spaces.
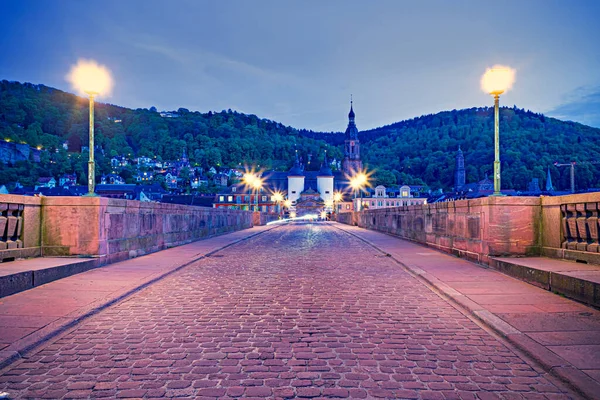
{"x":459,"y":171}
{"x":351,"y":163}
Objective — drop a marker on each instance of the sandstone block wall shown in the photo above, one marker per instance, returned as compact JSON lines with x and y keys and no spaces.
{"x":111,"y":229}
{"x":475,"y":229}
{"x":560,"y":226}
{"x":118,"y":229}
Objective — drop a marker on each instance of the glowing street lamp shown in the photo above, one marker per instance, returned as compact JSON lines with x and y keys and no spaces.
{"x":287,"y":204}
{"x":278,"y":197}
{"x":358,"y":182}
{"x":92,"y":79}
{"x":248,"y":180}
{"x":496,"y":81}
{"x":337,"y":197}
{"x":257,"y":184}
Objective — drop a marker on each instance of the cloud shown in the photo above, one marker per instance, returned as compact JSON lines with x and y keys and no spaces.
{"x":581,"y":105}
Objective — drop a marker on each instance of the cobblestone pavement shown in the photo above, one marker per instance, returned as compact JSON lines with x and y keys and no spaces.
{"x":300,"y":311}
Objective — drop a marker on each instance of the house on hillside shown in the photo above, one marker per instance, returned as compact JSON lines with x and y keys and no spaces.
{"x":46,"y":182}
{"x":220,"y":179}
{"x":112,"y":179}
{"x":67,"y":180}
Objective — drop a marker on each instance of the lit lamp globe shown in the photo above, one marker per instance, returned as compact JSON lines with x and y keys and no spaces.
{"x":88,"y":77}
{"x":496,"y":81}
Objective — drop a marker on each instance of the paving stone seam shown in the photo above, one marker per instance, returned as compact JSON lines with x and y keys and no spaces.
{"x":31,"y":344}
{"x":564,"y":373}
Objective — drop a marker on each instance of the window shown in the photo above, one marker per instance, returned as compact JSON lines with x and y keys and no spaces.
{"x":246,"y":198}
{"x":327,"y":192}
{"x":229,"y":199}
{"x":293,"y":191}
{"x":221,"y":199}
{"x":264,"y":198}
{"x":347,"y":206}
{"x":233,"y":189}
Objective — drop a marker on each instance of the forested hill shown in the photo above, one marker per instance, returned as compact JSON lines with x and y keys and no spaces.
{"x":425,"y":147}
{"x":420,"y":150}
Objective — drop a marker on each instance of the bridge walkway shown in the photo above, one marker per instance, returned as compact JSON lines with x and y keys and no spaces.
{"x":308,"y":310}
{"x":561,"y":334}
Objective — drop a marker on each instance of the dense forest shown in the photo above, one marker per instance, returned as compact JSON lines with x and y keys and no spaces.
{"x":417,"y":151}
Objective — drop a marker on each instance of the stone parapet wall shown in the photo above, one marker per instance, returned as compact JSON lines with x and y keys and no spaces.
{"x":111,"y":229}
{"x":119,"y":229}
{"x":475,"y":229}
{"x":262,"y":218}
{"x":561,"y":226}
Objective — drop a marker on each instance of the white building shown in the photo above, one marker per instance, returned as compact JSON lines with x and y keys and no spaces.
{"x":381,"y":199}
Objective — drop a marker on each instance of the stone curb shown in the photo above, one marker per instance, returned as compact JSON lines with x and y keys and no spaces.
{"x":558,"y":367}
{"x":22,"y":347}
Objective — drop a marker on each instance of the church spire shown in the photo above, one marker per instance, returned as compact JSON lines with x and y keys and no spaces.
{"x":351,"y":113}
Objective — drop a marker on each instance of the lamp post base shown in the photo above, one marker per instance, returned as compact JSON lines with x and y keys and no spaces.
{"x":90,"y":195}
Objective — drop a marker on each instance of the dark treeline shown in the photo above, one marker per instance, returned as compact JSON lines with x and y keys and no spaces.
{"x":416,"y":151}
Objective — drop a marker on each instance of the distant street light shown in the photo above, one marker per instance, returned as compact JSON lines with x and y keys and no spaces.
{"x":92,"y":79}
{"x":248,"y":180}
{"x":358,"y":182}
{"x":278,"y":197}
{"x":337,"y":197}
{"x":257,"y":184}
{"x":496,"y":81}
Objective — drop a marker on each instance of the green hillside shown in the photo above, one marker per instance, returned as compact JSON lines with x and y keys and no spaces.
{"x":420,"y":150}
{"x":425,"y":148}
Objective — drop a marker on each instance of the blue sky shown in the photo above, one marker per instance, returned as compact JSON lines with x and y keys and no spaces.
{"x":297,"y":62}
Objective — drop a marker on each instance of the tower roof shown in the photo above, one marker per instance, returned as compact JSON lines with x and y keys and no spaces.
{"x":351,"y":130}
{"x":296,"y":169}
{"x":325,"y":169}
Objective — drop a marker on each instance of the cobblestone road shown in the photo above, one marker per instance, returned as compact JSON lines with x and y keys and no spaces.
{"x":300,"y":311}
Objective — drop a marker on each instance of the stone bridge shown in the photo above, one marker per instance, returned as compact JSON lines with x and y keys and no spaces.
{"x":311,"y":310}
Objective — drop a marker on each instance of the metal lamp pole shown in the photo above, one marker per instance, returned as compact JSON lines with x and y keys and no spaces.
{"x":91,"y":163}
{"x":497,"y":185}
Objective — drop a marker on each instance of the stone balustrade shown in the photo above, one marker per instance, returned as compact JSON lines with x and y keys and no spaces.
{"x":19,"y":227}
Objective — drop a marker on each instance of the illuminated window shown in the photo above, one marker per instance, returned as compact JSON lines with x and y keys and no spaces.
{"x":263,"y":198}
{"x":229,"y":199}
{"x":221,"y":198}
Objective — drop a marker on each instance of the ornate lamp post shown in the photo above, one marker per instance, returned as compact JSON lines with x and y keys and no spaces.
{"x":496,"y":81}
{"x":92,"y":79}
